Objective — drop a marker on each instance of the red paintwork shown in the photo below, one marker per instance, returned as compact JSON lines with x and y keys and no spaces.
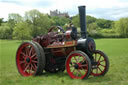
{"x":58,"y":46}
{"x":26,"y":68}
{"x":68,"y":34}
{"x":62,"y":48}
{"x":76,"y":73}
{"x":54,"y":48}
{"x":100,"y":67}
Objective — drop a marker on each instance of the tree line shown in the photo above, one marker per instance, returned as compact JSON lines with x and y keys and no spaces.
{"x":35,"y":23}
{"x":102,"y":28}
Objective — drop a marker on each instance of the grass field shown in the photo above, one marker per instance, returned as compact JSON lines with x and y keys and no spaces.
{"x":116,"y":49}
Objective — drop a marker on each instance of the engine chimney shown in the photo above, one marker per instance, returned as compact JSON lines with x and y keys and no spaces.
{"x":82,"y":15}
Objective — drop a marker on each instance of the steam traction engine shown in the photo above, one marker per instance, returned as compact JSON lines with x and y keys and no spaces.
{"x":57,"y":51}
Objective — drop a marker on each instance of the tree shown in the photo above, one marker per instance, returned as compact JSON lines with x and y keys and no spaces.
{"x":90,"y":19}
{"x":76,"y":21}
{"x":5,"y":31}
{"x":1,"y":21}
{"x":92,"y":27}
{"x":102,"y":23}
{"x":22,"y":31}
{"x":59,"y":21}
{"x":13,"y":19}
{"x":16,"y":17}
{"x":121,"y":27}
{"x":38,"y":22}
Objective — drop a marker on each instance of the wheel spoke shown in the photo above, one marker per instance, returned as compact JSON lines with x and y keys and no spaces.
{"x":99,"y":69}
{"x":21,"y":62}
{"x":76,"y":59}
{"x":99,"y":58}
{"x":34,"y":61}
{"x":25,"y":64}
{"x":23,"y":55}
{"x":80,"y":72}
{"x":30,"y":68}
{"x":96,"y":71}
{"x":102,"y":65}
{"x":33,"y":55}
{"x":71,"y":63}
{"x":30,"y":51}
{"x":83,"y":60}
{"x":26,"y":68}
{"x":27,"y":51}
{"x":77,"y":73}
{"x":71,"y":66}
{"x":35,"y":67}
{"x":34,"y":58}
{"x":73,"y":70}
{"x":83,"y":65}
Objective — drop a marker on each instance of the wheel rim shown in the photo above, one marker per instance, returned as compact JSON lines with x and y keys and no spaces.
{"x":77,"y":66}
{"x":100,"y":66}
{"x":26,"y":59}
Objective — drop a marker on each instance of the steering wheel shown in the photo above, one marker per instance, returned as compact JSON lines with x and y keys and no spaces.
{"x":58,"y":27}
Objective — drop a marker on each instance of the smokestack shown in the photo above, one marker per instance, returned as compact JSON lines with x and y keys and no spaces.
{"x":82,"y":15}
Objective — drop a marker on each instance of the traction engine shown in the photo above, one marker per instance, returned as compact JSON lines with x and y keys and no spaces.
{"x":57,"y":51}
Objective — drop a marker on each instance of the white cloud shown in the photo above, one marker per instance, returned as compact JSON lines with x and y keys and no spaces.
{"x":7,"y":8}
{"x":92,"y":4}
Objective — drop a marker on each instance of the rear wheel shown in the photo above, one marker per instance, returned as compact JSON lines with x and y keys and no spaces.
{"x":101,"y":66}
{"x":78,"y":65}
{"x":42,"y":59}
{"x":29,"y":59}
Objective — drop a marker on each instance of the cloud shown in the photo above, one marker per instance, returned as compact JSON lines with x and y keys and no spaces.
{"x":7,"y":8}
{"x":108,"y":9}
{"x":108,"y":13}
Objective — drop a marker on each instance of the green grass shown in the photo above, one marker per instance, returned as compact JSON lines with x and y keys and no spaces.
{"x":116,"y":49}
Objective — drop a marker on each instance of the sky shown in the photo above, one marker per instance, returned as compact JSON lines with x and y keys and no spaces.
{"x":107,"y":9}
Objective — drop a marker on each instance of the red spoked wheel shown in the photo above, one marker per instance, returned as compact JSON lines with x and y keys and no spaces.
{"x":101,"y":66}
{"x":78,"y":65}
{"x":29,"y":59}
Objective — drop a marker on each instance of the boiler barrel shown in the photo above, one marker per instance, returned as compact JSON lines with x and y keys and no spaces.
{"x":86,"y":45}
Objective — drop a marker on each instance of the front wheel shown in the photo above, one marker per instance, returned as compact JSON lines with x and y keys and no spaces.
{"x":101,"y":66}
{"x":78,"y":65}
